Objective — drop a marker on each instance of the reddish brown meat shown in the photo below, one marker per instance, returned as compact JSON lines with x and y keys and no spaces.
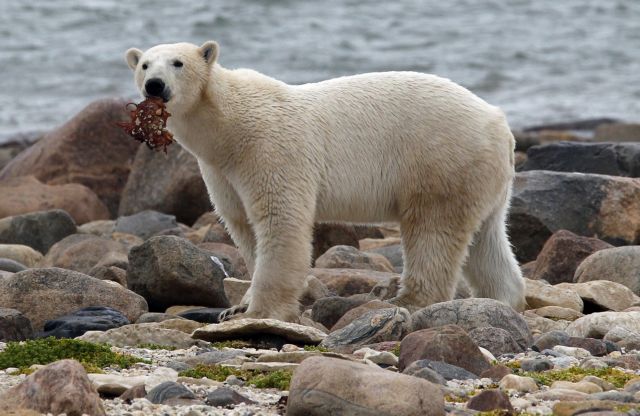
{"x":148,"y":123}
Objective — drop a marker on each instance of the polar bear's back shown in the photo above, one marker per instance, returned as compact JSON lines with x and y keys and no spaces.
{"x":393,"y":128}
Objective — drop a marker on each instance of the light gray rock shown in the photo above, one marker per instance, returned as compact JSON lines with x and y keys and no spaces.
{"x":326,"y":386}
{"x":604,"y":294}
{"x":138,"y":334}
{"x":596,"y":325}
{"x":474,"y":313}
{"x":619,"y":264}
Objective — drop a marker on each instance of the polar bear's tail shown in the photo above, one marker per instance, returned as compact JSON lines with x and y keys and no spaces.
{"x":491,"y":268}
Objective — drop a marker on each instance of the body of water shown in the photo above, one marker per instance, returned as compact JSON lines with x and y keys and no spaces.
{"x":541,"y":61}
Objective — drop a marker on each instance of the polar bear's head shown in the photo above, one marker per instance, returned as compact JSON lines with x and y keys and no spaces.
{"x":178,"y":73}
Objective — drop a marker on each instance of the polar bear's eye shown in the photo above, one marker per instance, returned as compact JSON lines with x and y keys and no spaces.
{"x":177,"y":63}
{"x":145,"y":66}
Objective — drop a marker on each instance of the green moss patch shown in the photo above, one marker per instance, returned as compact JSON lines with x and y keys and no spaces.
{"x":47,"y":350}
{"x":156,"y":347}
{"x":273,"y":379}
{"x":574,"y":374}
{"x":317,"y":348}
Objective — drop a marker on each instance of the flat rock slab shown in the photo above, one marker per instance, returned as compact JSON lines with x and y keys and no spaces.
{"x":249,"y":327}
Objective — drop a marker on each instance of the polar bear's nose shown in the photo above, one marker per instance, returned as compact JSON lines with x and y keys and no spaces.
{"x":154,"y":87}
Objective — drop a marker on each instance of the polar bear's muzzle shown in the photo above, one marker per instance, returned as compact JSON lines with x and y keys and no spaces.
{"x":155,"y":87}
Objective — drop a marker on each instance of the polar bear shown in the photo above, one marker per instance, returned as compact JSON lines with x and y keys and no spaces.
{"x":378,"y":147}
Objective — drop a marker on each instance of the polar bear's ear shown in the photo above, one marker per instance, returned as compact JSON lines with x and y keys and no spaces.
{"x":132,"y":57}
{"x":209,"y":51}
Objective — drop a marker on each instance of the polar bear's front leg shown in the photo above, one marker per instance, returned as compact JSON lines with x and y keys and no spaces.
{"x":282,"y":219}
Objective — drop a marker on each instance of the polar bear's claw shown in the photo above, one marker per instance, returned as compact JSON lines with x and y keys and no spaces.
{"x":229,"y":313}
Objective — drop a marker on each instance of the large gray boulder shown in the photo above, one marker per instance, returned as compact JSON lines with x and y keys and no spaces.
{"x":169,"y":270}
{"x":473,"y":313}
{"x":606,"y":207}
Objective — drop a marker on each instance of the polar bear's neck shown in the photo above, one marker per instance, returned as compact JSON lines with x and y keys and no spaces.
{"x":210,"y":129}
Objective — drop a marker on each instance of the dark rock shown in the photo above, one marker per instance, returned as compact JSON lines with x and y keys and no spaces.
{"x":374,"y":326}
{"x":450,"y":344}
{"x":38,"y":230}
{"x":230,"y":257}
{"x":179,"y":190}
{"x":205,"y":315}
{"x":329,"y":310}
{"x":445,"y":370}
{"x":393,"y":253}
{"x":25,"y":194}
{"x":14,"y":326}
{"x":145,"y":224}
{"x":561,"y":255}
{"x":226,"y":397}
{"x":45,"y":294}
{"x":135,"y":392}
{"x":497,"y":340}
{"x":549,"y":340}
{"x":586,"y":204}
{"x":328,"y":386}
{"x":619,"y":264}
{"x":488,"y":400}
{"x":496,"y":372}
{"x":60,"y":387}
{"x":327,"y":235}
{"x":167,"y":391}
{"x":536,"y":364}
{"x":11,"y":266}
{"x":588,"y":124}
{"x":170,"y":271}
{"x":527,"y":235}
{"x":474,"y":313}
{"x":616,"y":159}
{"x":93,"y":318}
{"x":90,"y":149}
{"x":596,"y":347}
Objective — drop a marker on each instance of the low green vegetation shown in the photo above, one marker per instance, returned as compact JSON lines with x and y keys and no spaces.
{"x":232,"y":343}
{"x":156,"y":347}
{"x":273,"y":379}
{"x":574,"y":374}
{"x":396,"y":350}
{"x":317,"y":348}
{"x":43,"y":351}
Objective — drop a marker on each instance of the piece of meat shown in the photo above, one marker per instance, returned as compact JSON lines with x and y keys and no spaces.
{"x":148,"y":123}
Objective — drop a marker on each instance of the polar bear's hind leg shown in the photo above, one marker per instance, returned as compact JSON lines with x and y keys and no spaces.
{"x":434,"y":246}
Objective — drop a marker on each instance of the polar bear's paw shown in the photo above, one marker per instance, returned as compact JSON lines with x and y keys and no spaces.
{"x":406,"y":302}
{"x":234,"y":312}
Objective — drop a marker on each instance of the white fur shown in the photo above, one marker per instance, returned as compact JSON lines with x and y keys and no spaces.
{"x":394,"y":146}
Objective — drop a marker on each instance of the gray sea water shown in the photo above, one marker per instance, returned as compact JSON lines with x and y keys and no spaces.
{"x":541,"y":61}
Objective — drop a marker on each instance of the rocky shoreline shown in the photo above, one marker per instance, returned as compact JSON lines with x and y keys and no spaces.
{"x":113,"y":270}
